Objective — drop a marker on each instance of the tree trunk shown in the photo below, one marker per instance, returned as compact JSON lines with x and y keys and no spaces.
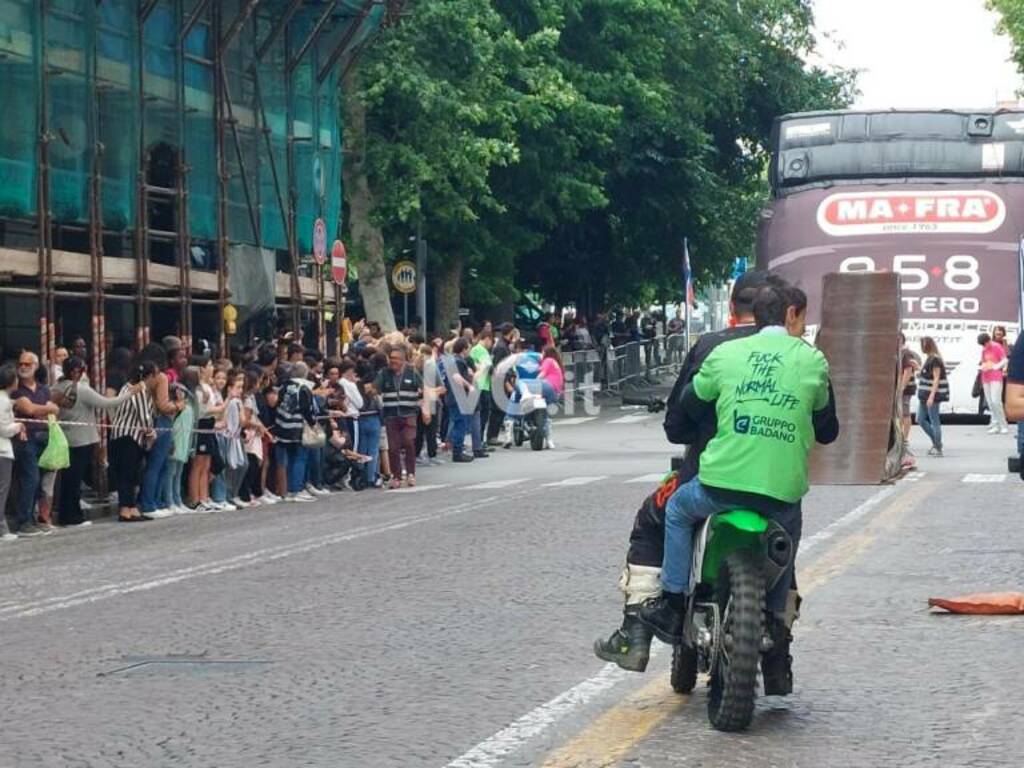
{"x":448,"y":295}
{"x":367,"y":238}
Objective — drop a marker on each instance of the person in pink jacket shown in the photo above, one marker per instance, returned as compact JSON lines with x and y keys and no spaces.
{"x":993,"y":366}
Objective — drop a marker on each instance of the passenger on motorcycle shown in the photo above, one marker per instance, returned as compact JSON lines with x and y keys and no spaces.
{"x":522,"y":382}
{"x":767,"y":388}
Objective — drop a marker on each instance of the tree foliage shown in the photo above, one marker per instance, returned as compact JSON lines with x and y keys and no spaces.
{"x":567,"y":146}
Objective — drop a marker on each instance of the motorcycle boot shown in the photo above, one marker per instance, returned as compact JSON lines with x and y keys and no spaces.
{"x":664,"y":616}
{"x":777,"y":663}
{"x":629,"y":646}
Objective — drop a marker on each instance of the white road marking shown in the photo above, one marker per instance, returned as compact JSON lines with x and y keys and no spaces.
{"x":974,"y":477}
{"x":493,"y":751}
{"x":418,"y":488}
{"x":584,"y":480}
{"x":256,"y":557}
{"x":572,"y":421}
{"x":494,"y":484}
{"x":853,"y":515}
{"x":633,"y":418}
{"x":653,"y":478}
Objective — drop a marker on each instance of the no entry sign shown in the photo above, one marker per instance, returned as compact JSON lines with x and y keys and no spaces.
{"x":339,"y":262}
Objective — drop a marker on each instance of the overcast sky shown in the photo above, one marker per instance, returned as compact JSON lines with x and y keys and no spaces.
{"x":920,"y":53}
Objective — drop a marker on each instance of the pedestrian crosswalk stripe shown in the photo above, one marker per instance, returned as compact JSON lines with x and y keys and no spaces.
{"x":974,"y":477}
{"x":575,"y":481}
{"x":652,"y":478}
{"x":418,"y":488}
{"x":572,"y":421}
{"x":632,"y":418}
{"x":495,"y":484}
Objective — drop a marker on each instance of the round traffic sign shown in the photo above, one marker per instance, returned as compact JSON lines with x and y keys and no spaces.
{"x":339,"y":262}
{"x":403,"y":277}
{"x":319,"y":241}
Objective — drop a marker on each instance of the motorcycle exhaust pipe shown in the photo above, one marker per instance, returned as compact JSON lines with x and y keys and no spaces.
{"x":779,"y":548}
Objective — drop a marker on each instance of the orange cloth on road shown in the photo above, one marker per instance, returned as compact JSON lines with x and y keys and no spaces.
{"x":984,"y":603}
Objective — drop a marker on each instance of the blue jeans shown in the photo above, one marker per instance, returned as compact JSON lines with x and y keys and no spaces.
{"x":218,"y":488}
{"x":170,"y":492}
{"x":691,"y":505}
{"x":296,"y":467}
{"x":369,"y":444}
{"x":460,"y":425}
{"x":156,"y":466}
{"x":315,"y":467}
{"x":928,"y":419}
{"x":26,"y":470}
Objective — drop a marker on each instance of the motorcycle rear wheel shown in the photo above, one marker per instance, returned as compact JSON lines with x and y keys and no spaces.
{"x":538,"y":418}
{"x":740,"y":598}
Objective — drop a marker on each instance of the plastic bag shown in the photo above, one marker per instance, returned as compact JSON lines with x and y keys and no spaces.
{"x":991,"y":603}
{"x":56,"y":455}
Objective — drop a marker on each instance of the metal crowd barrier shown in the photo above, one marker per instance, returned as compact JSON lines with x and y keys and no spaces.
{"x":639,"y":362}
{"x":584,"y":373}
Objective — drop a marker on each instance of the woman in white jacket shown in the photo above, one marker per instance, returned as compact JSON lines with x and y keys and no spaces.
{"x":9,"y":429}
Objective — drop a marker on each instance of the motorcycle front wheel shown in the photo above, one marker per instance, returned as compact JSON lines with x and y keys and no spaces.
{"x":740,"y":597}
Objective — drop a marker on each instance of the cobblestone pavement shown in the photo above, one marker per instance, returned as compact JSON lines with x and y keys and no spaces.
{"x":412,"y":628}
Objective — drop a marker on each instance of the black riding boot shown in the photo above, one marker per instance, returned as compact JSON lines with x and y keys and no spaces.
{"x":664,"y":616}
{"x":777,"y":664}
{"x":629,"y":646}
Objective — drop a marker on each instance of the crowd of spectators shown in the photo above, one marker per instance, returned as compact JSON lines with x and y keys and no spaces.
{"x":179,"y":433}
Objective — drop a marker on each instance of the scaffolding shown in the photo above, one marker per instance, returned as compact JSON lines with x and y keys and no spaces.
{"x":161,"y":159}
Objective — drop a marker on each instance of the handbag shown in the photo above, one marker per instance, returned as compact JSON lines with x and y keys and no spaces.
{"x":976,"y":390}
{"x":56,"y":455}
{"x":313,"y":436}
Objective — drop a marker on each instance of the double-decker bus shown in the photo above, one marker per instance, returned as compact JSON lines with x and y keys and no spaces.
{"x":936,"y":196}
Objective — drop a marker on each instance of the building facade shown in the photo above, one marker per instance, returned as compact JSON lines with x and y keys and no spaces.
{"x":162,"y":164}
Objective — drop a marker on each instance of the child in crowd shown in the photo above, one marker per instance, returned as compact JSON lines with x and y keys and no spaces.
{"x":182,"y":430}
{"x":208,"y":408}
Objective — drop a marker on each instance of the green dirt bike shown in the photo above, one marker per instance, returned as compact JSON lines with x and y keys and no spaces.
{"x":738,"y":557}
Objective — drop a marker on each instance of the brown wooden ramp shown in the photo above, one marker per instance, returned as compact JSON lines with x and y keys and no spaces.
{"x":860,"y":322}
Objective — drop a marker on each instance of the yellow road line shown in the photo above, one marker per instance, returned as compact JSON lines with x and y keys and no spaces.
{"x":615,"y":733}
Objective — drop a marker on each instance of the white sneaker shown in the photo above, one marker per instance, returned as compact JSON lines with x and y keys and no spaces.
{"x":240,"y":502}
{"x":312,"y":490}
{"x":180,"y":509}
{"x":302,"y":496}
{"x":159,"y":514}
{"x":993,"y":430}
{"x":204,"y":508}
{"x":83,"y":524}
{"x":1004,"y":431}
{"x":86,"y":505}
{"x":9,"y":537}
{"x":274,"y":498}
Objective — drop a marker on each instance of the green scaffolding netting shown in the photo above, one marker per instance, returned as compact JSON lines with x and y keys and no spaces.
{"x":110,"y":99}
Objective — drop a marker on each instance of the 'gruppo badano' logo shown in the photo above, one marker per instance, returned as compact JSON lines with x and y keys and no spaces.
{"x":904,"y":212}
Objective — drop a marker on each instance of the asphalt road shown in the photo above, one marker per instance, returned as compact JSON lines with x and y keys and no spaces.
{"x":450,"y":626}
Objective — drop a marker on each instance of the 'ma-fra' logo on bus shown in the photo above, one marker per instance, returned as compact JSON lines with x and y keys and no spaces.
{"x":906,"y":212}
